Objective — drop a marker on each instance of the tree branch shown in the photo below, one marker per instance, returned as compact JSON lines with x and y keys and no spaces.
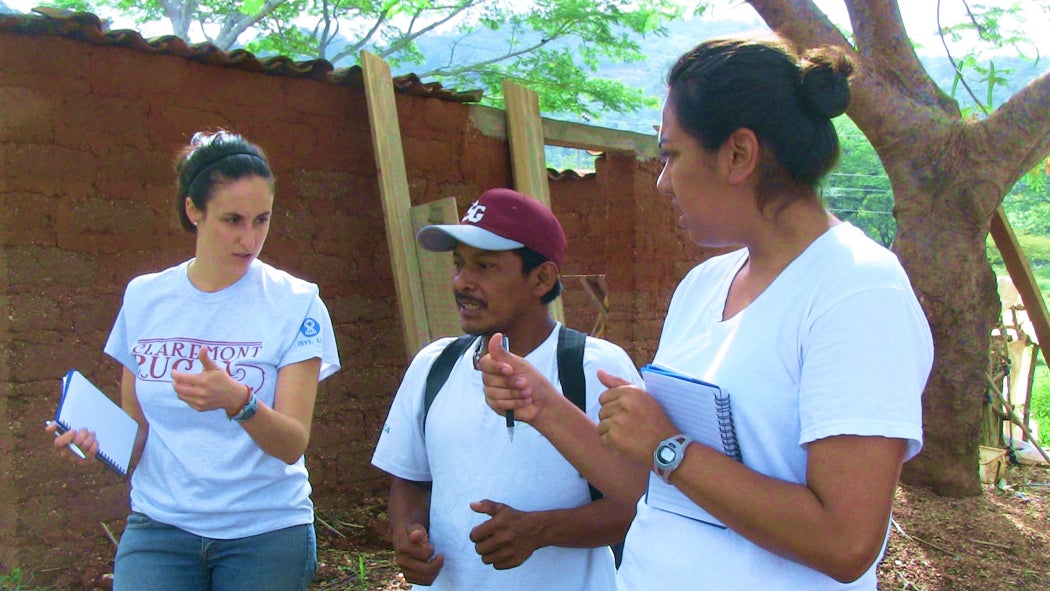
{"x":181,"y":16}
{"x":235,"y":23}
{"x":412,"y":36}
{"x":800,"y":22}
{"x":955,"y":65}
{"x":354,"y":48}
{"x":563,"y":30}
{"x":891,"y":92}
{"x":1020,"y":127}
{"x":481,"y":65}
{"x":330,"y":28}
{"x":885,"y":46}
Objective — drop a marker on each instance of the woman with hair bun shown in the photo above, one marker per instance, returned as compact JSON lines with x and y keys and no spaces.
{"x":811,"y":327}
{"x":221,"y":358}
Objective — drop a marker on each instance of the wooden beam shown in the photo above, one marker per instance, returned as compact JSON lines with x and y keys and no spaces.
{"x":492,"y":122}
{"x":568,"y":134}
{"x":1021,"y":274}
{"x":525,"y":135}
{"x":528,"y":163}
{"x":598,"y":290}
{"x":393,"y":191}
{"x":436,"y":270}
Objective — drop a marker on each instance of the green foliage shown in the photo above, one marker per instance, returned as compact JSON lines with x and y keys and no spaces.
{"x":987,"y":31}
{"x":562,"y":159}
{"x":1027,"y":204}
{"x":554,"y":47}
{"x":12,"y":581}
{"x":1039,"y":402}
{"x":1036,"y":248}
{"x":859,"y":190}
{"x":362,"y":572}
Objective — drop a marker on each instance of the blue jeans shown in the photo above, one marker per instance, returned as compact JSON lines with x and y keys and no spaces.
{"x":153,"y":556}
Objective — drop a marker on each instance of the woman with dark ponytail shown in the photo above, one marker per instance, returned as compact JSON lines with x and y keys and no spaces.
{"x":811,"y":327}
{"x":221,"y":357}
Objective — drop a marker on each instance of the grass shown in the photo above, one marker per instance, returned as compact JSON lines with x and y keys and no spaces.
{"x":1039,"y":401}
{"x":12,"y":581}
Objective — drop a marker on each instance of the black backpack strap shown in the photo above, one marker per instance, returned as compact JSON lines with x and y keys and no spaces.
{"x":570,"y":366}
{"x":571,"y":344}
{"x":440,"y":370}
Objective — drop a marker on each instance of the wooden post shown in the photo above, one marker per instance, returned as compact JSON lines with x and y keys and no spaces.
{"x":528,"y":163}
{"x":436,"y":270}
{"x":393,"y":191}
{"x":1021,"y":273}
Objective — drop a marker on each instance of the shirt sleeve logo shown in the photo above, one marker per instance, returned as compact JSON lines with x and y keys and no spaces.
{"x":310,"y":328}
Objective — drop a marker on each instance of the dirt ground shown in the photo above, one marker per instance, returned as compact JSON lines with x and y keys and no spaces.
{"x":999,"y":541}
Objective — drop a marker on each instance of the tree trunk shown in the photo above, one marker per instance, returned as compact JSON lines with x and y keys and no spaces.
{"x":948,"y":175}
{"x":949,"y":269}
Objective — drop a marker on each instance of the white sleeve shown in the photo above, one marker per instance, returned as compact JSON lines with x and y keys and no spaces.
{"x":867,"y":380}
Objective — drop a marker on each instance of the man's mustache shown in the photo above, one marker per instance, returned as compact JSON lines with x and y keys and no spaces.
{"x":464,"y":299}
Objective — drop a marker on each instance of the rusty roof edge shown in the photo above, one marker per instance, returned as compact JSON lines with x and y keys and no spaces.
{"x":89,"y":28}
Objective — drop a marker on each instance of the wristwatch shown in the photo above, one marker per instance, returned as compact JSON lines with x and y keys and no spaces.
{"x":249,"y":407}
{"x":669,"y":455}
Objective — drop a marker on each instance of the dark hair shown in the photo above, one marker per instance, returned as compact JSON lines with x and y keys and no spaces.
{"x":212,"y":159}
{"x":761,"y":84}
{"x":530,"y":259}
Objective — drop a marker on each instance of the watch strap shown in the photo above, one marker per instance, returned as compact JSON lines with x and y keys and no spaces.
{"x":248,"y":411}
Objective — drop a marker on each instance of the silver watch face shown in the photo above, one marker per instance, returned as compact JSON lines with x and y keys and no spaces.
{"x":666,"y":454}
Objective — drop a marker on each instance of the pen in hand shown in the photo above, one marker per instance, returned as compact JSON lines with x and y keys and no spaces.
{"x":510,"y":412}
{"x":72,"y":446}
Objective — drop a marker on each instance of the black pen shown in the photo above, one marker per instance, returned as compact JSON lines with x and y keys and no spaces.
{"x":510,"y":412}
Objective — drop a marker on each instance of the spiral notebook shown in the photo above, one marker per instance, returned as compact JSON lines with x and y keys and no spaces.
{"x":84,"y":406}
{"x":702,"y":411}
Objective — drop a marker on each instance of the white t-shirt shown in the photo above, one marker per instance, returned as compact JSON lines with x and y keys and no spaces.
{"x":836,"y":345}
{"x":468,"y":456}
{"x":200,"y":471}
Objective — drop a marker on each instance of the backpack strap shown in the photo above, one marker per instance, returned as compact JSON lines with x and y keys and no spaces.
{"x":570,"y":366}
{"x":440,"y":370}
{"x":571,"y":344}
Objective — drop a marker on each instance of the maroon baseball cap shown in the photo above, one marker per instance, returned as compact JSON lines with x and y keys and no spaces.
{"x":501,"y":219}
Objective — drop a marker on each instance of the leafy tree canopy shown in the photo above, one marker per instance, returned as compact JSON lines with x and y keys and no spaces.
{"x":554,"y":47}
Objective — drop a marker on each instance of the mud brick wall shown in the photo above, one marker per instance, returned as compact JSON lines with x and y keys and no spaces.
{"x":88,"y":134}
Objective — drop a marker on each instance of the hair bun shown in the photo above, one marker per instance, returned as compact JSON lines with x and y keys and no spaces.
{"x":824,"y":86}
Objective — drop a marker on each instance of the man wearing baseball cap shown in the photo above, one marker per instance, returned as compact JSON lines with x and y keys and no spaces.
{"x":475,"y":503}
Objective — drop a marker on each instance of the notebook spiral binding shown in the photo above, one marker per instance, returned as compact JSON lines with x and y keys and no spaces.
{"x":726,"y":427}
{"x":108,"y":461}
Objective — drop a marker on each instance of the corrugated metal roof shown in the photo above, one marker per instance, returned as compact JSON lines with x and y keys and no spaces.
{"x":87,"y":27}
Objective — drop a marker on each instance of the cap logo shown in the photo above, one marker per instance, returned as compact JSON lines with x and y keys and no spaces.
{"x":475,"y":213}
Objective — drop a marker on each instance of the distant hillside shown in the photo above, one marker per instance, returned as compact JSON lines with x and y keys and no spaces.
{"x":682,"y":36}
